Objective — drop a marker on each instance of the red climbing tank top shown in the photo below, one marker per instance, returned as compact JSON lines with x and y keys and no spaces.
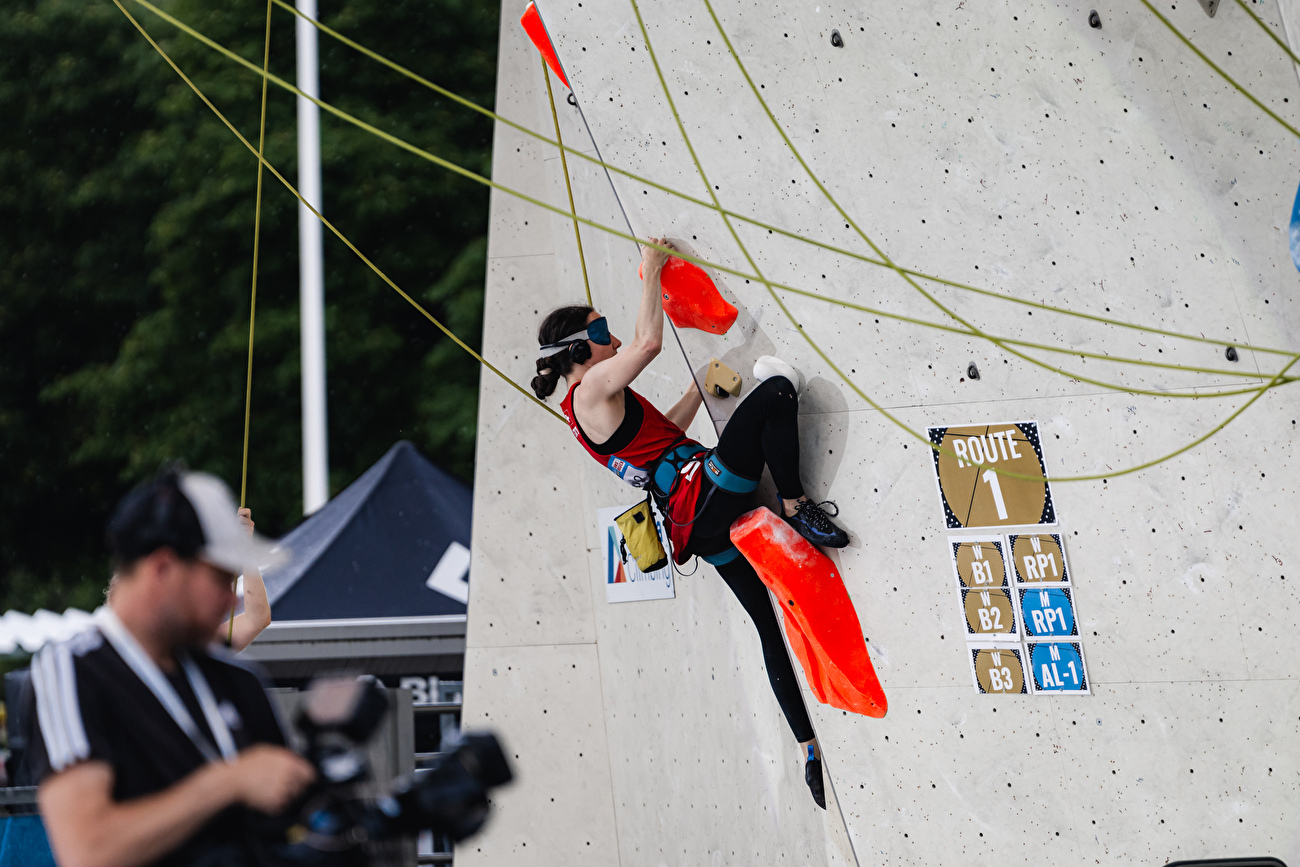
{"x":631,"y":453}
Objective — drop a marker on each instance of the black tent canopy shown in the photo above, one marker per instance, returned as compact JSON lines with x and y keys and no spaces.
{"x":394,"y":543}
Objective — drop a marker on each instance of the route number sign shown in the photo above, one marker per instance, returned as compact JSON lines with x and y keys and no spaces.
{"x":971,"y":465}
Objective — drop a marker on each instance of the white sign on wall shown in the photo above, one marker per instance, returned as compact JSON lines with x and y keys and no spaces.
{"x":624,"y":582}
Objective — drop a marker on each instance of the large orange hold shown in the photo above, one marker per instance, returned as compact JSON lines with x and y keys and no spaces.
{"x":820,"y":619}
{"x":691,"y":300}
{"x":532,"y":22}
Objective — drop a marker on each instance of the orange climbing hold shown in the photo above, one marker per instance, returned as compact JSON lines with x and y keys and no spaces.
{"x":820,"y":619}
{"x":536,"y":31}
{"x":691,"y":300}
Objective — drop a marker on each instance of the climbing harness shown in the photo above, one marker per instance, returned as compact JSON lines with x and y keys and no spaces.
{"x":674,"y":462}
{"x":721,"y":558}
{"x":681,"y":461}
{"x":678,"y":460}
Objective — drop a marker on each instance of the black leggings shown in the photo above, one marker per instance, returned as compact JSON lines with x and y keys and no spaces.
{"x":763,"y":430}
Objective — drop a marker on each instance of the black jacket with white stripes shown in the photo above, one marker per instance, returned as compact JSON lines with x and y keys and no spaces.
{"x":87,"y":705}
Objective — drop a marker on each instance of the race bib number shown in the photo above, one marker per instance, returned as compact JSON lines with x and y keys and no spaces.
{"x":633,"y":475}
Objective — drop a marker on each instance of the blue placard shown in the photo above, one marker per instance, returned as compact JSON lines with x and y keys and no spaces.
{"x":1057,"y":666}
{"x":1295,"y":231}
{"x":1048,"y":613}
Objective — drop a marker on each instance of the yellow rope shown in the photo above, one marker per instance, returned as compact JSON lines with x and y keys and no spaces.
{"x":736,"y":237}
{"x":252,"y":303}
{"x":568,"y":185}
{"x":1118,"y":359}
{"x":257,"y":238}
{"x":1001,"y":344}
{"x":291,"y":188}
{"x":524,"y":197}
{"x":396,"y":67}
{"x":770,"y":285}
{"x":1225,"y":76}
{"x":1269,"y":31}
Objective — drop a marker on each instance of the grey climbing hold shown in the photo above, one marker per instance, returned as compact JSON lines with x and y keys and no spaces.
{"x":1210,"y":6}
{"x":972,"y":372}
{"x":836,"y":39}
{"x":1231,"y":353}
{"x":571,"y":100}
{"x":1094,"y":20}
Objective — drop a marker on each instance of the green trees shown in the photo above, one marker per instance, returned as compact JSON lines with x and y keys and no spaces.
{"x":126,"y":250}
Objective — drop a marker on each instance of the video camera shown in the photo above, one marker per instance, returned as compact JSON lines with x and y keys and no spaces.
{"x":335,"y":825}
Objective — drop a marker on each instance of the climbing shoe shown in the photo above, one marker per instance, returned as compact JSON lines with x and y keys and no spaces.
{"x":812,"y":775}
{"x":812,"y":522}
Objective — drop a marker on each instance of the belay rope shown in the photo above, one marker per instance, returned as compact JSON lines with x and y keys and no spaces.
{"x":568,"y":185}
{"x":252,"y":302}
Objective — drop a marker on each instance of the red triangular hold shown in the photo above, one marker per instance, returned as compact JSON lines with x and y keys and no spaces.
{"x":820,"y":619}
{"x":532,"y":22}
{"x":691,"y":300}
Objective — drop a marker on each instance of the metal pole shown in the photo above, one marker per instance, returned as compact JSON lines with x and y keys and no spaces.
{"x":311,"y":281}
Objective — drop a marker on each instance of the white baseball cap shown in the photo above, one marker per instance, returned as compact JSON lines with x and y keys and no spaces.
{"x":227,"y":544}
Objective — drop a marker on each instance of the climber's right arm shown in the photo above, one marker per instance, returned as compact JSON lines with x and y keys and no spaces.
{"x":607,"y":379}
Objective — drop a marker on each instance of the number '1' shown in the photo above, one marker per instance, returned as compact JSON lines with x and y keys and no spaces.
{"x":991,"y":477}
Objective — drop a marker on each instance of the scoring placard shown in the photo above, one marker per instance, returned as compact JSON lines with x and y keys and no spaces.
{"x":1039,"y":559}
{"x":978,"y":561}
{"x":1057,"y":666}
{"x":974,"y":494}
{"x":998,"y":670}
{"x":1048,"y":612}
{"x":989,"y":614}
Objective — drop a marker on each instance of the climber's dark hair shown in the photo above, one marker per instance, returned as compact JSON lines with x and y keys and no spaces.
{"x":557,"y":325}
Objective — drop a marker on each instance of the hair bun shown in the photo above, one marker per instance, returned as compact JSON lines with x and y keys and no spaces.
{"x":544,"y":383}
{"x":559,"y":324}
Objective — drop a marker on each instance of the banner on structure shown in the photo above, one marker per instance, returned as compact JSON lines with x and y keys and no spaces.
{"x":624,"y":582}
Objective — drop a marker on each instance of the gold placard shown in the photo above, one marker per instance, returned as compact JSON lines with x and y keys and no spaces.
{"x":974,"y":493}
{"x":989,"y":614}
{"x":998,"y":670}
{"x":979,"y":562}
{"x":1039,"y":559}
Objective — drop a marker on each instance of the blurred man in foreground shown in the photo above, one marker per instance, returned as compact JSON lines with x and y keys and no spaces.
{"x":149,"y":746}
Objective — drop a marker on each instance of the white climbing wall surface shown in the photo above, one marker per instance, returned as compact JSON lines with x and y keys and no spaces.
{"x":1008,"y":146}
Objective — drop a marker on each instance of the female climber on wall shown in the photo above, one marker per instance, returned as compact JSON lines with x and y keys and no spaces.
{"x":699,"y":491}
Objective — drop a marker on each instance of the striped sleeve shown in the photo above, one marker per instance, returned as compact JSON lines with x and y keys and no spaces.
{"x":58,"y":709}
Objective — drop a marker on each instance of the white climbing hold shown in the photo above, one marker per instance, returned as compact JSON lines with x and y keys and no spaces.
{"x":769,"y":366}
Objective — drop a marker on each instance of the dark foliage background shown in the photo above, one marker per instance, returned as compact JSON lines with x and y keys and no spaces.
{"x":126,"y":224}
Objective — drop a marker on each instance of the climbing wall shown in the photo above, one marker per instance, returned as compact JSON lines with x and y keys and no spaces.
{"x":1009,"y":147}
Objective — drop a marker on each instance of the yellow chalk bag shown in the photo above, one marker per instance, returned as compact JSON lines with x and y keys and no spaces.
{"x":641,"y":538}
